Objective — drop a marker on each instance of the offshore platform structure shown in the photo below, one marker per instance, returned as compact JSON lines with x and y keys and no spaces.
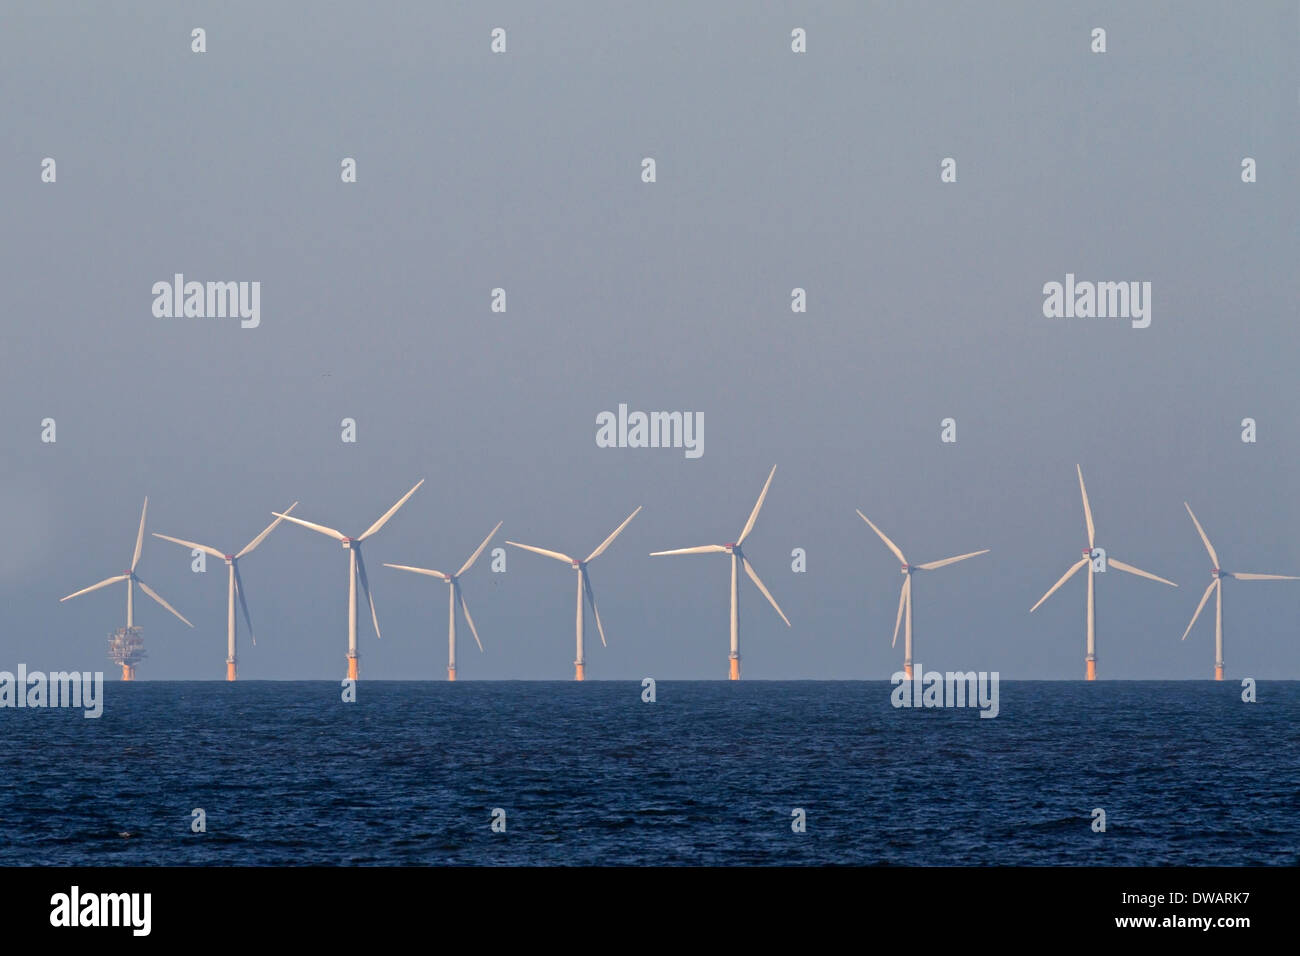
{"x":126,"y":647}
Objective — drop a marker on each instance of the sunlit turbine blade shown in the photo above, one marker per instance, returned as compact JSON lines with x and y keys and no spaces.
{"x":758,"y":505}
{"x":902,"y":603}
{"x":1087,"y":508}
{"x":703,"y":549}
{"x":591,"y":600}
{"x":885,"y":538}
{"x":930,"y":566}
{"x":1065,"y":577}
{"x":464,"y":609}
{"x":262,"y":537}
{"x":753,"y":576}
{"x":365,"y":587}
{"x":1204,"y":537}
{"x":158,"y":597}
{"x":550,"y":554}
{"x":95,"y":587}
{"x":610,"y":540}
{"x":139,"y":538}
{"x":1112,"y":563}
{"x":390,"y":512}
{"x":1204,"y":597}
{"x":336,"y":535}
{"x":1247,"y":576}
{"x":190,"y":544}
{"x":243,"y":603}
{"x":429,"y":571}
{"x":474,"y":557}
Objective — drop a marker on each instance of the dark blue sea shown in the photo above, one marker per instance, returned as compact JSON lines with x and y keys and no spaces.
{"x":709,"y":774}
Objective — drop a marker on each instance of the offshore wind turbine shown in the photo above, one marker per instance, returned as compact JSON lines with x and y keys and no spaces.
{"x":356,"y":570}
{"x":234,"y":585}
{"x":131,"y":579}
{"x":584,"y":588}
{"x":738,"y":559}
{"x":1217,"y":575}
{"x":454,"y":597}
{"x":905,"y":598}
{"x":1106,"y":562}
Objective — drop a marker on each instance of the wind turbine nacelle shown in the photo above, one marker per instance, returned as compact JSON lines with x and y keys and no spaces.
{"x":230,"y":559}
{"x":577,"y":565}
{"x":1216,"y":573}
{"x":731,"y":548}
{"x":346,"y":542}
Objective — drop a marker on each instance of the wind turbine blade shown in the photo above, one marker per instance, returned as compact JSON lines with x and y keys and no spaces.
{"x":329,"y":532}
{"x":1204,"y":597}
{"x":885,"y":538}
{"x":703,"y":549}
{"x":1065,"y":577}
{"x":947,"y":561}
{"x":1111,"y":562}
{"x":758,"y":505}
{"x":753,"y":576}
{"x":262,"y":537}
{"x":591,"y":600}
{"x":95,"y":587}
{"x":1204,"y":538}
{"x":158,"y":597}
{"x":190,"y":544}
{"x":610,"y":540}
{"x":464,"y":609}
{"x":550,"y":554}
{"x":239,"y":590}
{"x":429,"y":571}
{"x":1247,"y":576}
{"x":365,"y":587}
{"x":390,"y":512}
{"x":139,"y":538}
{"x":474,"y":557}
{"x":902,"y":602}
{"x":1087,"y":509}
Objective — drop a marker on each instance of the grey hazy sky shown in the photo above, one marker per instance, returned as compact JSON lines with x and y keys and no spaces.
{"x":775,"y":170}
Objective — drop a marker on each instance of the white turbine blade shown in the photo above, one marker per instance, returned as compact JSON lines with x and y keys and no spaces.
{"x":365,"y":587}
{"x":429,"y":571}
{"x":703,"y":549}
{"x":591,"y":599}
{"x":262,"y":537}
{"x":1204,"y":538}
{"x":158,"y":597}
{"x":550,"y":554}
{"x":610,"y":540}
{"x":1248,"y":576}
{"x":930,"y":566}
{"x":758,"y":505}
{"x":753,"y":576}
{"x":1087,"y":509}
{"x":474,"y":557}
{"x":902,"y":603}
{"x":1204,"y":597}
{"x":190,"y":544}
{"x":390,"y":512}
{"x":885,"y":538}
{"x":95,"y":587}
{"x":464,"y":609}
{"x":239,"y":590}
{"x":139,"y":538}
{"x":329,"y":532}
{"x":1065,"y":577}
{"x":1112,"y":563}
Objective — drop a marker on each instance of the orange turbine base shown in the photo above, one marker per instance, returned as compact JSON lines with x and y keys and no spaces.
{"x":907,"y":669}
{"x":230,"y":670}
{"x":1218,"y":672}
{"x":451,"y":673}
{"x":1092,"y":670}
{"x":734,"y":673}
{"x":579,"y":671}
{"x":128,"y":672}
{"x":353,"y":670}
